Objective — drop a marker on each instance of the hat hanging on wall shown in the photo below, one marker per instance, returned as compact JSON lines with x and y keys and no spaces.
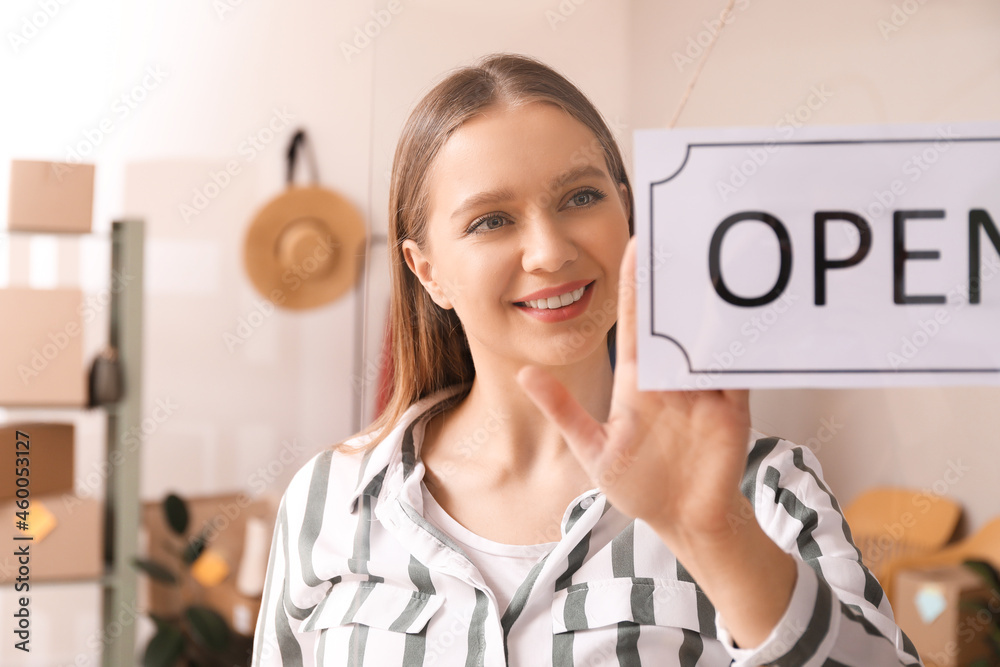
{"x":304,"y":247}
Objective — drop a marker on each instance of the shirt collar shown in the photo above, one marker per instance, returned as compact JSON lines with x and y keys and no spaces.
{"x":389,"y":451}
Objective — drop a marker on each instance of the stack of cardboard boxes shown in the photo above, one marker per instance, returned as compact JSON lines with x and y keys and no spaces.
{"x":67,"y":530}
{"x":41,"y":365}
{"x":948,"y":613}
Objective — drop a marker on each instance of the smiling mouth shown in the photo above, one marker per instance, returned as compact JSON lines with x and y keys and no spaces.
{"x":555,"y":302}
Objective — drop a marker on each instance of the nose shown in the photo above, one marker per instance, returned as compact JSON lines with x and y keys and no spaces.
{"x":547,"y":245}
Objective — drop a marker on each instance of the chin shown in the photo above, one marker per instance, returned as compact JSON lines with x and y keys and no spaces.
{"x":571,"y":350}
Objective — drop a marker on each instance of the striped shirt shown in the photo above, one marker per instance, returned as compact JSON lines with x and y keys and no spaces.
{"x":358,"y":576}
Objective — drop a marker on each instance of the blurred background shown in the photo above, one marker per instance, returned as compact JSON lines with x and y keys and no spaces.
{"x":161,"y":97}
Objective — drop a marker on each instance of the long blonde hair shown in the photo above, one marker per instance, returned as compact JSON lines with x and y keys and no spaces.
{"x":429,"y":348}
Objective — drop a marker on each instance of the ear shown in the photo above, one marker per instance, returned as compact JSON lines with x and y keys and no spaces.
{"x":626,"y":200}
{"x":423,"y":269}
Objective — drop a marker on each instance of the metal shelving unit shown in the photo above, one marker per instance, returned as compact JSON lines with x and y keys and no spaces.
{"x":122,"y":508}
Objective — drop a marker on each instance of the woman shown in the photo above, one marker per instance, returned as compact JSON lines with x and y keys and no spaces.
{"x":520,"y":501}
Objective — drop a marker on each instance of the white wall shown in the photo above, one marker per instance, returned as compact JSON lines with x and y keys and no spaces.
{"x":219,"y":77}
{"x":245,"y":419}
{"x":877,"y":61}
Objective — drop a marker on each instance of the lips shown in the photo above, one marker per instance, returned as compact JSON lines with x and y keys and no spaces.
{"x":558,"y":290}
{"x":561,"y":304}
{"x":556,"y":301}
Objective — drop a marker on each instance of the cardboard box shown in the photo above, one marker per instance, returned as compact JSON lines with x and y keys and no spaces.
{"x":74,"y":548}
{"x":50,"y":458}
{"x":933,"y":608}
{"x":41,"y":348}
{"x":225,"y":518}
{"x":51,"y":197}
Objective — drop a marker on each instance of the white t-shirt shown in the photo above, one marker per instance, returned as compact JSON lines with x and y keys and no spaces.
{"x":503,"y":566}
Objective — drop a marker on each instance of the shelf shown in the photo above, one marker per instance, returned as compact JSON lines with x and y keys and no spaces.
{"x":121,"y":505}
{"x":69,"y":410}
{"x":61,"y":235}
{"x":82,"y":581}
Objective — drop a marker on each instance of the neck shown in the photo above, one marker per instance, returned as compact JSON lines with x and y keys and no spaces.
{"x":504,"y":428}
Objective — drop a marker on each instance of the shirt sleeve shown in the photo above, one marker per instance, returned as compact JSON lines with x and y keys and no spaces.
{"x":287,"y":599}
{"x":838,"y":613}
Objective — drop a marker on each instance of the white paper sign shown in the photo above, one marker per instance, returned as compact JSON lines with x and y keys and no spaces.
{"x":844,"y":256}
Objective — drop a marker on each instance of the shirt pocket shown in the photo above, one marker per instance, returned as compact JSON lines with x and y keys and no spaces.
{"x":375,"y":604}
{"x":607,"y":602}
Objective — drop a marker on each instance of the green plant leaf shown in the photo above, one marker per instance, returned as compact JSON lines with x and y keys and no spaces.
{"x":208,"y":628}
{"x":155,"y":570}
{"x":194,"y":548}
{"x":986,"y":572}
{"x":164,"y":648}
{"x":176,"y":512}
{"x":972,"y":606}
{"x":993,"y":635}
{"x":162,"y":622}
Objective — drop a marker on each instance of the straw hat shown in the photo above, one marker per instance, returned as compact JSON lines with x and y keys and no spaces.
{"x":303,"y":249}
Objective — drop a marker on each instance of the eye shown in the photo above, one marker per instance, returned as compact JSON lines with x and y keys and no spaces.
{"x":487,"y":222}
{"x":585,"y":197}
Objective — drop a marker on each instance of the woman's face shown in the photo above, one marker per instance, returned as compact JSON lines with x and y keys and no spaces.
{"x":525,"y":234}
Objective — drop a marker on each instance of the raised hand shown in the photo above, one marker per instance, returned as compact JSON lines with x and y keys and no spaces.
{"x":671,"y":458}
{"x":675,"y":460}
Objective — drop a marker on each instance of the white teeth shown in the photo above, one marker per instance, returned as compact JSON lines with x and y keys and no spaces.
{"x":557,"y":301}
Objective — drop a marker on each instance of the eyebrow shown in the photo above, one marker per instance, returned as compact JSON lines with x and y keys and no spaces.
{"x":505,"y":194}
{"x":481,"y":199}
{"x":583,"y":171}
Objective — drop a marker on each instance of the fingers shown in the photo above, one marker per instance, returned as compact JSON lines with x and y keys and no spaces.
{"x":625,"y":333}
{"x":581,"y":431}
